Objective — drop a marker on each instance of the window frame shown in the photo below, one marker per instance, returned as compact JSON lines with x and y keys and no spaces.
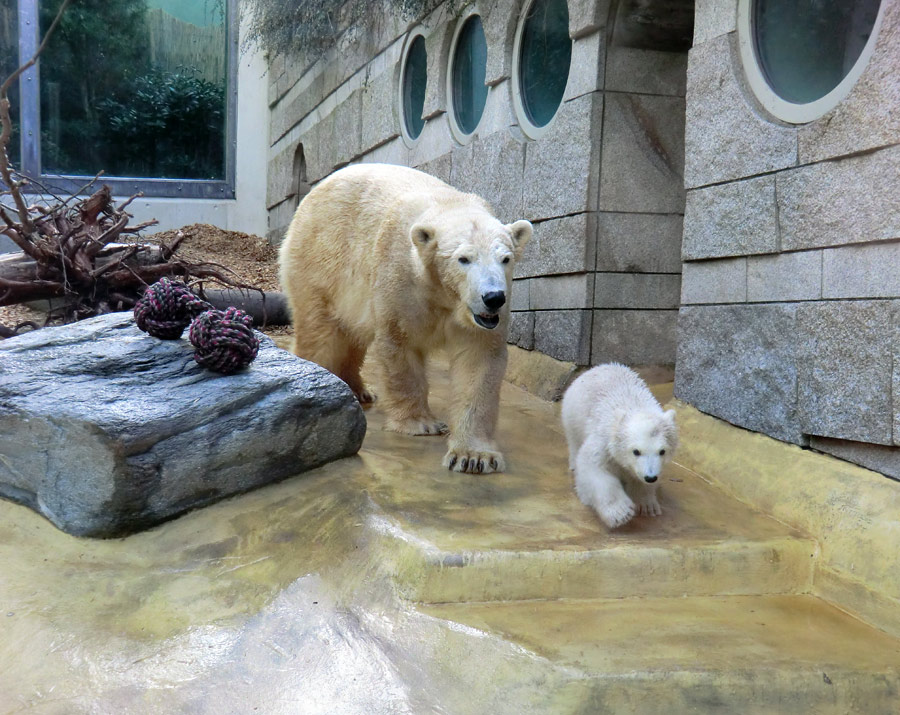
{"x":455,"y":129}
{"x":411,"y":37}
{"x":529,"y":128}
{"x":773,"y":103}
{"x":30,"y":123}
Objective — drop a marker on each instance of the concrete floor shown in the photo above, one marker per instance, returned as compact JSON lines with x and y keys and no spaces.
{"x":385,"y":584}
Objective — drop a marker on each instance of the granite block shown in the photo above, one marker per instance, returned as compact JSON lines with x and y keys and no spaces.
{"x":871,"y":270}
{"x":561,"y":245}
{"x":564,"y":334}
{"x":718,"y":281}
{"x":631,"y":69}
{"x":645,"y":291}
{"x":634,"y":337}
{"x":785,"y":277}
{"x":639,"y":243}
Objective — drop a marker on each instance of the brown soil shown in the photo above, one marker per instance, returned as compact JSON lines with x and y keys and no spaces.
{"x":250,"y":259}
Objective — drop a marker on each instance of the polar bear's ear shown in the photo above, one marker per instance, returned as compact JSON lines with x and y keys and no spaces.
{"x":422,"y":237}
{"x":521,"y":234}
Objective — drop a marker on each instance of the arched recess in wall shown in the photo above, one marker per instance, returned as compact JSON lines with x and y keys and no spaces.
{"x":299,"y":181}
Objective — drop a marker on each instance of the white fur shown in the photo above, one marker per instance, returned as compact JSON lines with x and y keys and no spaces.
{"x":392,"y":262}
{"x":609,"y":414}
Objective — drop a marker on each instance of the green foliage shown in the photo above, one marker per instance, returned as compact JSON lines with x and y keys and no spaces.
{"x":104,"y":105}
{"x":282,"y":27}
{"x":165,"y":124}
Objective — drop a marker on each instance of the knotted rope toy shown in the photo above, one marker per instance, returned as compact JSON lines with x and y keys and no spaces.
{"x":167,"y":308}
{"x":223,"y":341}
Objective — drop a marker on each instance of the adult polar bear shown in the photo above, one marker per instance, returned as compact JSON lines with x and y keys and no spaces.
{"x":391,"y":260}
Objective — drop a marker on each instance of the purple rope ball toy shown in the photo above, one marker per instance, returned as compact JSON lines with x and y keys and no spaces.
{"x":223,"y":341}
{"x":167,"y":308}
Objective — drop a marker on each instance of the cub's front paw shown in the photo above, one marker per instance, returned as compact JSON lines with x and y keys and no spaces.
{"x":617,"y":513}
{"x":366,"y":396}
{"x":473,"y":461}
{"x":423,"y":426}
{"x":649,"y":506}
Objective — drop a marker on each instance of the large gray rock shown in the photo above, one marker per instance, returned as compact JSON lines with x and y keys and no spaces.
{"x":106,"y":431}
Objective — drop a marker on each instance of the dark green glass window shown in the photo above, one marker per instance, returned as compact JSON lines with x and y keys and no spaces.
{"x":469,"y":67}
{"x":545,"y":55}
{"x":806,"y":47}
{"x":414,"y":79}
{"x":136,"y":88}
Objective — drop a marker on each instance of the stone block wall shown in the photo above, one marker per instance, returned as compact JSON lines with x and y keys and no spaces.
{"x":603,"y":186}
{"x":791,"y":278}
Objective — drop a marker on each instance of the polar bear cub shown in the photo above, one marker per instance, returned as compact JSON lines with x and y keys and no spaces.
{"x":618,"y":437}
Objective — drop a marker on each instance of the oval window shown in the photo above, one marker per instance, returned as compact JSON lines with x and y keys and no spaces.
{"x":544,"y":55}
{"x":802,"y":57}
{"x":413,"y":87}
{"x":467,"y":87}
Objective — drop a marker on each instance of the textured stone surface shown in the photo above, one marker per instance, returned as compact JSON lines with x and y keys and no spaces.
{"x":561,"y":292}
{"x":521,"y":293}
{"x":564,"y":334}
{"x":561,"y":245}
{"x":348,"y":128}
{"x":637,"y":290}
{"x":634,"y":337}
{"x":845,"y":369}
{"x":785,"y":277}
{"x":641,"y":243}
{"x":393,"y":152}
{"x":867,"y":118}
{"x":106,"y":431}
{"x":587,"y":16}
{"x":739,"y":363}
{"x":725,"y":139}
{"x":629,"y":69}
{"x":441,"y":167}
{"x":587,"y":67}
{"x":434,"y":141}
{"x":492,"y":167}
{"x":279,"y":218}
{"x":498,"y":115}
{"x":280,"y":175}
{"x":561,"y":169}
{"x":872,"y":456}
{"x":838,"y":202}
{"x":380,"y":122}
{"x":521,"y":330}
{"x":719,"y":281}
{"x":499,"y":21}
{"x":437,"y":49}
{"x":868,"y":271}
{"x":713,"y":18}
{"x":643,"y":154}
{"x":735,"y":219}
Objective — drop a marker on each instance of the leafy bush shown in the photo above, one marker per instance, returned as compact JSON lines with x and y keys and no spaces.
{"x":165,"y":124}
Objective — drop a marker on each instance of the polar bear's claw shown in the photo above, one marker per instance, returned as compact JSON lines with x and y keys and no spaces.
{"x":650,"y":507}
{"x":474,"y":462}
{"x":617,"y":513}
{"x":366,"y":397}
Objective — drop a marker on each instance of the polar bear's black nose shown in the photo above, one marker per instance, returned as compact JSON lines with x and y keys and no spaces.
{"x":494,"y":300}
{"x":650,"y":480}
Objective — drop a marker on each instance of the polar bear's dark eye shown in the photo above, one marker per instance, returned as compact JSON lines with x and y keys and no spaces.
{"x":637,"y":452}
{"x":506,"y":260}
{"x":662,"y":452}
{"x":463,"y":260}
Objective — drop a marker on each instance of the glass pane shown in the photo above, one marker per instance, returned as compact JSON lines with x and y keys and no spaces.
{"x":806,"y":47}
{"x":414,"y":78}
{"x":469,"y":68}
{"x":9,"y":63}
{"x":546,"y":52}
{"x":135,"y":88}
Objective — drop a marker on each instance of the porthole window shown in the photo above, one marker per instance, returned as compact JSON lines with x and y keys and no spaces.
{"x":413,"y":79}
{"x":801,"y":57}
{"x":541,"y":58}
{"x":468,"y":67}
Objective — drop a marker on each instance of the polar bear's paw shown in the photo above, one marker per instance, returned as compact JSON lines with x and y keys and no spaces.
{"x":424,"y":426}
{"x":649,"y":506}
{"x":472,"y":461}
{"x":366,"y":396}
{"x":617,"y":513}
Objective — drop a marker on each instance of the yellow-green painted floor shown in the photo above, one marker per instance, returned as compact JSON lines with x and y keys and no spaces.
{"x":385,"y":584}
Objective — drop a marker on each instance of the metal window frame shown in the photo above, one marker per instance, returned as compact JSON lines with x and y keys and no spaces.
{"x":30,"y":122}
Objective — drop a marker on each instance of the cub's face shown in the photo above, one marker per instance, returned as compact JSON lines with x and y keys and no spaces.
{"x":644,"y":443}
{"x":474,"y":260}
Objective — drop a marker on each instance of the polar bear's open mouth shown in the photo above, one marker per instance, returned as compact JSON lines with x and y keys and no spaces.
{"x":488,"y":321}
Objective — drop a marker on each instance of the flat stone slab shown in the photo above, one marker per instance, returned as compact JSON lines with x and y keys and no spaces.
{"x":107,"y":431}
